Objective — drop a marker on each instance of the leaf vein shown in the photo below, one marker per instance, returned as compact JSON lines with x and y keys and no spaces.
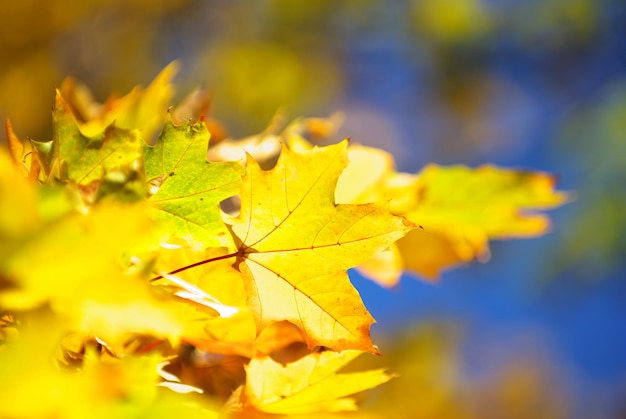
{"x":215,"y":188}
{"x":99,"y":163}
{"x":307,"y":296}
{"x":289,"y":211}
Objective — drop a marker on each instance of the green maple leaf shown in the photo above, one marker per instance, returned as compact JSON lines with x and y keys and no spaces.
{"x":188,"y":188}
{"x":101,"y":164}
{"x":87,"y":159}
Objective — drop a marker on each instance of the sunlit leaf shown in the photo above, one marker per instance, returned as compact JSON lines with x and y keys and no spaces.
{"x":162,"y":278}
{"x":186,"y":188}
{"x":110,"y":157}
{"x":296,"y":245}
{"x":143,"y":109}
{"x":460,"y":209}
{"x":311,"y":384}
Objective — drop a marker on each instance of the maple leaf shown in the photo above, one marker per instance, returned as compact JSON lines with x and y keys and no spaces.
{"x":143,"y":109}
{"x":109,"y":158}
{"x":295,"y":246}
{"x":364,"y":180}
{"x":371,"y":177}
{"x":187,"y":189}
{"x":308,"y":385}
{"x":460,"y":210}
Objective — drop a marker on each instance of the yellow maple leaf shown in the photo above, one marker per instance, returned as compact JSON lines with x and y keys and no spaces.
{"x":462,"y":208}
{"x":365,"y":177}
{"x":308,"y":385}
{"x":295,"y":246}
{"x":459,"y":208}
{"x":371,"y":177}
{"x":143,"y":109}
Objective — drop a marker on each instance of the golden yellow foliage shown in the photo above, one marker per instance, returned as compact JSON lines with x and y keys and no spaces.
{"x":310,"y":385}
{"x":459,"y":209}
{"x":127,"y":285}
{"x":295,"y":246}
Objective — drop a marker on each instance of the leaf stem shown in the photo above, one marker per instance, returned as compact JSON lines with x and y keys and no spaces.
{"x":193,"y":265}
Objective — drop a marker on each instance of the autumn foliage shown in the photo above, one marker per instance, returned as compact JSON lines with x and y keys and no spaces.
{"x":149,"y":272}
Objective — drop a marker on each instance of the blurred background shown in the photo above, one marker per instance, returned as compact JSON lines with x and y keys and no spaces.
{"x":540,"y":330}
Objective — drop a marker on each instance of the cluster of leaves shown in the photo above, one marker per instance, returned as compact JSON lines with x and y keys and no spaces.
{"x":138,"y":271}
